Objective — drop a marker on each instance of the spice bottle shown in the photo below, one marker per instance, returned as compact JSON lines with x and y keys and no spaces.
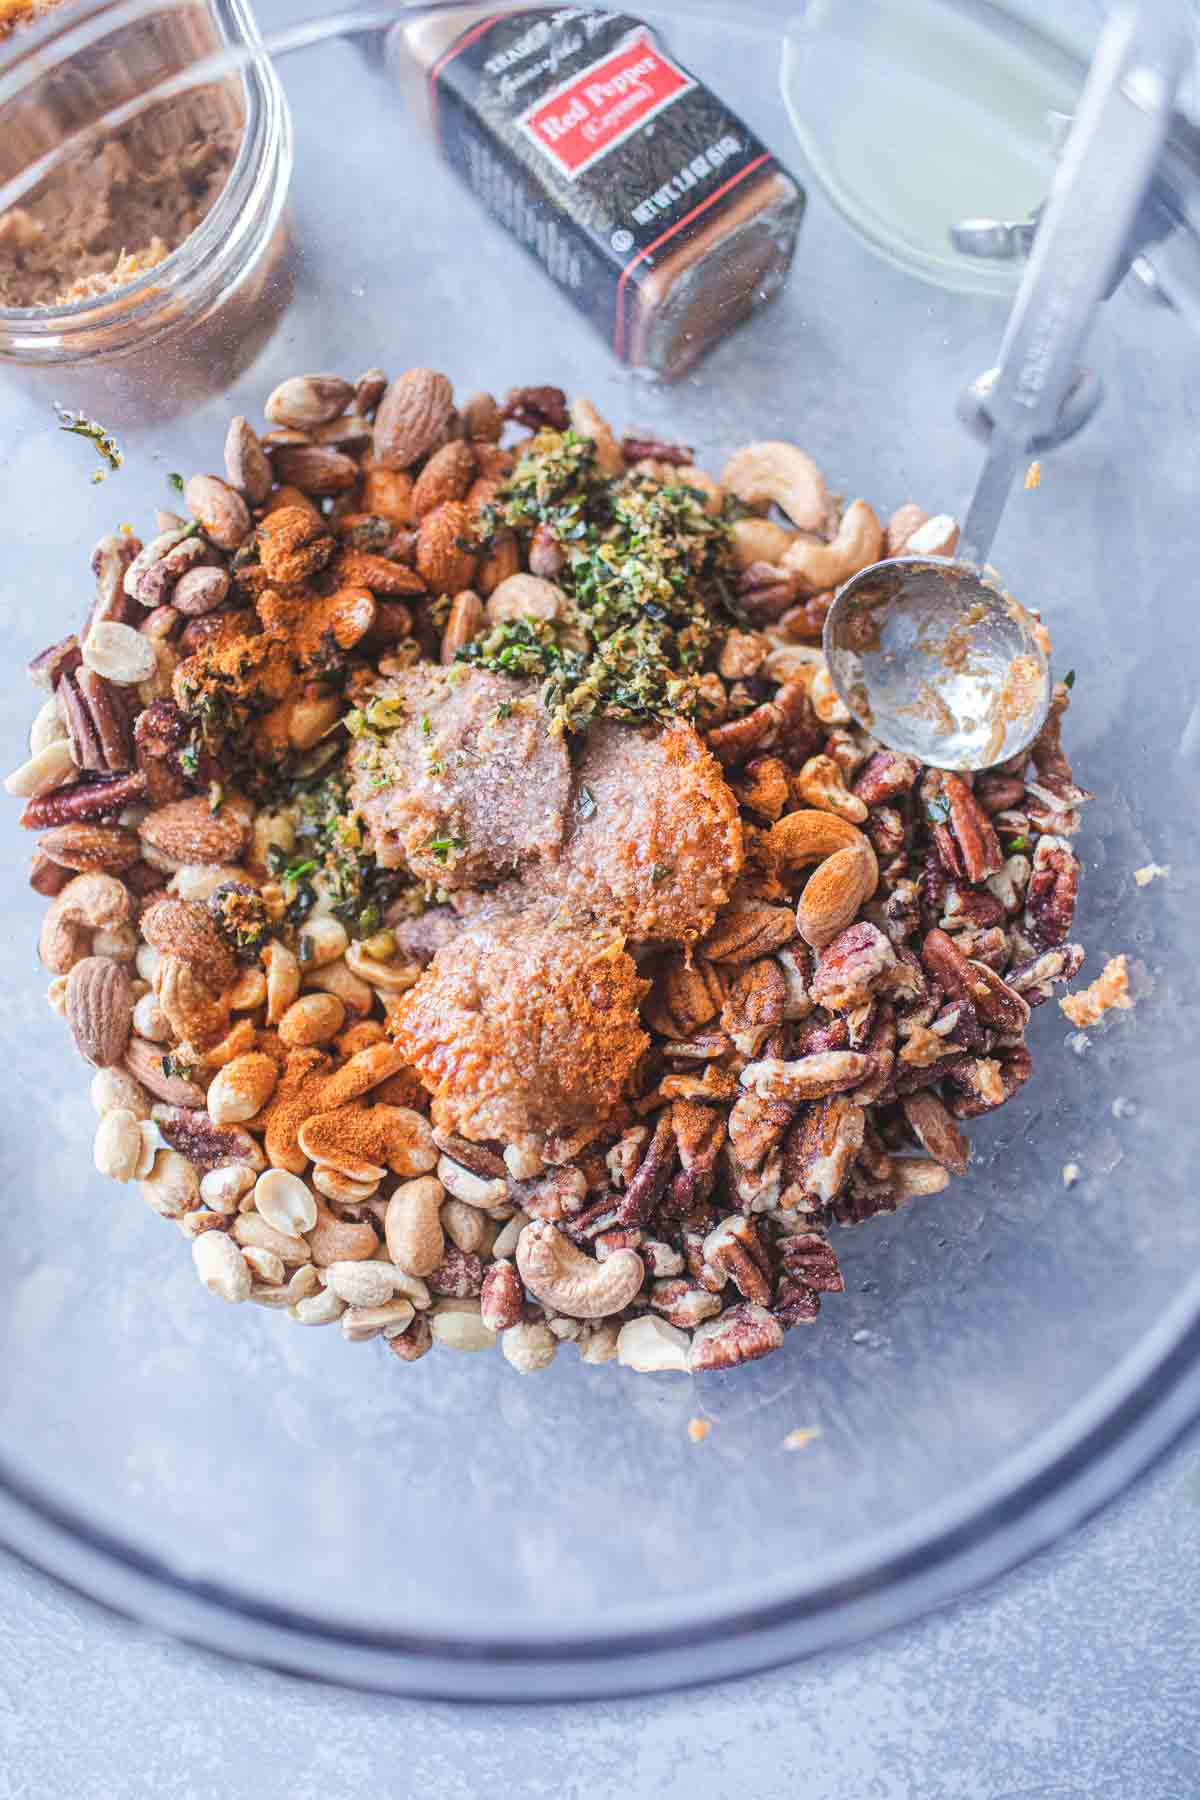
{"x":656,"y":211}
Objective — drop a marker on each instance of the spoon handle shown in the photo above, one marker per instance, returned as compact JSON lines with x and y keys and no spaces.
{"x":1107,"y":164}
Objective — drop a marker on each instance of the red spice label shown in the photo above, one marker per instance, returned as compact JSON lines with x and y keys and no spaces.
{"x":584,"y":118}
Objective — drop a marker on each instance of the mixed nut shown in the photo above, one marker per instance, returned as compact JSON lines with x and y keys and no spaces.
{"x":484,"y":921}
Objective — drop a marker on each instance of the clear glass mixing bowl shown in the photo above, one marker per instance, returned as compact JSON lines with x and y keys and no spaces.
{"x":1006,"y":1355}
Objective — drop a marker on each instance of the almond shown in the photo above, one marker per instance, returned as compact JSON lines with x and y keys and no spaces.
{"x":359,"y":568}
{"x":186,"y":929}
{"x":99,"y":1008}
{"x":314,"y":469}
{"x":834,"y":894}
{"x":809,"y":836}
{"x":446,"y":476}
{"x":443,"y":563}
{"x":387,"y":494}
{"x":144,"y":1062}
{"x":88,"y":847}
{"x":189,"y":831}
{"x":414,"y":418}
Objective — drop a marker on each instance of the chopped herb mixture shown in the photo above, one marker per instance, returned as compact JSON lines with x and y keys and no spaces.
{"x":649,"y":579}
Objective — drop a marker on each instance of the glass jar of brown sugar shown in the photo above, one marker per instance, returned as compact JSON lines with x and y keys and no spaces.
{"x":149,"y":257}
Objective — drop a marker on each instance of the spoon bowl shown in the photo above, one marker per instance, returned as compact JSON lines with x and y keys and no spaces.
{"x":936,"y":660}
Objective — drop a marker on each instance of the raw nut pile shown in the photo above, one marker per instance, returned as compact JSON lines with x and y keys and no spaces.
{"x":234,"y":964}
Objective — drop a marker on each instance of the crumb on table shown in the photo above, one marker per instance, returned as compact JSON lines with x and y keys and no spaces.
{"x":801,"y":1437}
{"x":1071,"y":1174}
{"x":698,"y":1430}
{"x":1109,"y":990}
{"x":1151,"y":871}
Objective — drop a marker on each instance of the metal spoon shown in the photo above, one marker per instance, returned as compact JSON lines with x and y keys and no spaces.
{"x":929,"y":653}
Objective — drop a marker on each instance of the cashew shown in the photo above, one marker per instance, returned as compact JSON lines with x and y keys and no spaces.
{"x":821,"y":784}
{"x":903,"y":522}
{"x":194,"y":1012}
{"x":89,"y":903}
{"x":388,"y":977}
{"x":253,"y":1233}
{"x":117,"y":1148}
{"x":322,"y":941}
{"x":858,"y":543}
{"x":121,"y":945}
{"x":826,"y":701}
{"x":936,"y":537}
{"x":528,"y":1348}
{"x":46,"y":770}
{"x":760,"y":540}
{"x":610,"y":458}
{"x":562,"y":1277}
{"x":415,"y":1240}
{"x":782,"y":473}
{"x":525,"y":597}
{"x":283,"y":979}
{"x":339,"y":979}
{"x":47,"y":727}
{"x":472,"y":1189}
{"x":652,"y":1347}
{"x":510,"y":1234}
{"x":387,"y":1320}
{"x":309,"y":720}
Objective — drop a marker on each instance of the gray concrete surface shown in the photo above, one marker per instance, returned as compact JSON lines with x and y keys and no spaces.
{"x":1074,"y":1679}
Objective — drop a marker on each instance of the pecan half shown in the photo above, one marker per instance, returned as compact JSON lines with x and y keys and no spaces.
{"x":887,"y":775}
{"x":1052,"y":891}
{"x":189,"y":1130}
{"x":102,"y":799}
{"x":654,"y":1171}
{"x":742,"y":1334}
{"x":648,"y":448}
{"x":755,"y":1006}
{"x":804,"y":623}
{"x":757,"y":1127}
{"x":684,"y":998}
{"x":979,"y":1084}
{"x":996,"y":793}
{"x":809,"y":1269}
{"x":879,"y":1053}
{"x":683,"y":1303}
{"x":536,"y":407}
{"x":807,"y":1078}
{"x":111,"y":560}
{"x":852,"y":966}
{"x":747,"y":930}
{"x":48,"y":667}
{"x":1034,"y":979}
{"x":736,"y":1252}
{"x":995,"y":1002}
{"x":820,"y":1151}
{"x":962,"y":832}
{"x":766,"y":591}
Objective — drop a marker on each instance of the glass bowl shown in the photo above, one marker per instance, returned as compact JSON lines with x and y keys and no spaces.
{"x":1007,"y":1355}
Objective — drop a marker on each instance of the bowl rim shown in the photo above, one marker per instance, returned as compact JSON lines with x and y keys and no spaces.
{"x":1032,"y":1497}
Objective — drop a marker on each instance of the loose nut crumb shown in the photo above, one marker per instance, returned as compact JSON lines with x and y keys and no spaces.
{"x":1071,"y":1174}
{"x":1109,"y":991}
{"x":1151,"y":871}
{"x":698,"y":1430}
{"x":802,"y":1437}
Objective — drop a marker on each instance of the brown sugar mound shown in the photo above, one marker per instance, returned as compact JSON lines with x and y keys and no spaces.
{"x":522,"y":1026}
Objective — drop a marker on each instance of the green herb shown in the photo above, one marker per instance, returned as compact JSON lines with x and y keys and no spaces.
{"x":176,"y":481}
{"x":662,"y":872}
{"x":81,"y":426}
{"x":443,"y":847}
{"x":650,"y":585}
{"x":587,"y":803}
{"x":370,"y":918}
{"x":1069,"y":679}
{"x":426,"y":725}
{"x":215,"y":796}
{"x":938,"y":810}
{"x":504,"y":710}
{"x":189,"y":761}
{"x":1020,"y":842}
{"x":173,"y":1066}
